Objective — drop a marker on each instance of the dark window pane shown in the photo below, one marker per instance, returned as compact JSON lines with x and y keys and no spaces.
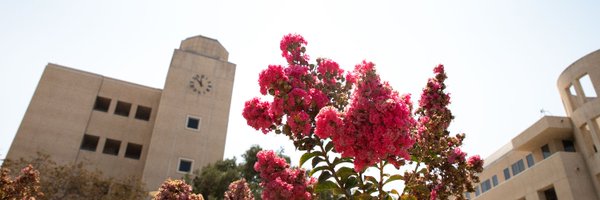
{"x":518,"y":167}
{"x":530,"y":161}
{"x":123,"y":108}
{"x":185,"y":166}
{"x":193,"y":123}
{"x":550,"y":194}
{"x":485,"y":186}
{"x":477,"y":191}
{"x":89,"y":142}
{"x":102,"y":104}
{"x":495,"y":180}
{"x":506,"y":174}
{"x":143,"y":113}
{"x":546,"y":151}
{"x":112,"y":147}
{"x":568,"y":146}
{"x":133,"y":151}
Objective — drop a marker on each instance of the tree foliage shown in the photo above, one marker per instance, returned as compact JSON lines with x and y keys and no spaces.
{"x":75,"y":181}
{"x":25,"y":186}
{"x":348,"y":122}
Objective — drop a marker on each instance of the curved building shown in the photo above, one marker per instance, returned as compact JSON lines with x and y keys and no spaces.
{"x":556,"y":157}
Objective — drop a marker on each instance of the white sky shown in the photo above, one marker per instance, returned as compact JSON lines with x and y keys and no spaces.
{"x":502,"y":57}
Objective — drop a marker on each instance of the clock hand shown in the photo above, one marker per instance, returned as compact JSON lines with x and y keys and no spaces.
{"x":200,"y":82}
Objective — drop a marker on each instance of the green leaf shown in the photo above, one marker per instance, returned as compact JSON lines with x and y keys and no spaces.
{"x":351,"y":182}
{"x":316,"y":169}
{"x":329,"y":146}
{"x":337,"y":161}
{"x":324,"y":176}
{"x":345,"y":172}
{"x":316,"y":160}
{"x":306,"y":156}
{"x":327,"y":185}
{"x":371,"y":179}
{"x":393,"y":178}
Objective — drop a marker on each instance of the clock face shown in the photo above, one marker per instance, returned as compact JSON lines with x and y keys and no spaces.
{"x":201,"y":84}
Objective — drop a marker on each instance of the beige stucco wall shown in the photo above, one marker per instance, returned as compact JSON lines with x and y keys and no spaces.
{"x":171,"y":139}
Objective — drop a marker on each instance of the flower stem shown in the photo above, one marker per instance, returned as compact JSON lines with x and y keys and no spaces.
{"x":331,"y":168}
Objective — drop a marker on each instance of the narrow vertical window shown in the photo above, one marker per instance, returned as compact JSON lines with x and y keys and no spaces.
{"x":546,"y":151}
{"x":506,"y":174}
{"x":530,"y":161}
{"x":587,"y":86}
{"x":494,"y":180}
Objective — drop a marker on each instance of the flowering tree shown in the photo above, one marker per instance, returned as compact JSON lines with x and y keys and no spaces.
{"x":348,"y":122}
{"x":176,"y":190}
{"x":25,"y":186}
{"x":239,"y":190}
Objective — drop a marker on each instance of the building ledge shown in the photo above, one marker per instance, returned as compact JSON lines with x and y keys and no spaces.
{"x":545,"y":129}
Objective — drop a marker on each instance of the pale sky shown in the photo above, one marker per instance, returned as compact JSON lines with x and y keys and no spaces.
{"x":503,"y":58}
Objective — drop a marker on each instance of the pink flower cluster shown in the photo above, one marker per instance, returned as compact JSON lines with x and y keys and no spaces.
{"x":457,"y":155}
{"x":176,"y":190}
{"x":257,"y":114}
{"x":279,"y":181}
{"x":238,"y":190}
{"x":292,"y":49}
{"x":330,"y":70}
{"x":375,"y":127}
{"x":475,"y":162}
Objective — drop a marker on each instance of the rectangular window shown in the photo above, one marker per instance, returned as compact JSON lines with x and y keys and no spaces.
{"x":143,"y":113}
{"x":550,"y":194}
{"x":185,"y":165}
{"x":468,"y":195}
{"x":546,"y":151}
{"x":89,"y":142}
{"x":485,"y":186}
{"x":193,"y":123}
{"x":529,"y":159}
{"x":495,"y":180}
{"x":518,"y":167}
{"x":102,"y":104}
{"x":568,"y":146}
{"x":133,"y":151}
{"x":506,"y":174}
{"x":123,"y":108}
{"x":111,"y":147}
{"x":477,"y":191}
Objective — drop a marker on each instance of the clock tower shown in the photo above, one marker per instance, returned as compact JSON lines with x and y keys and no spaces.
{"x":191,"y":121}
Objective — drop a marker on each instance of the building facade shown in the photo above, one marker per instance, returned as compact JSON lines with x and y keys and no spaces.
{"x":125,"y":129}
{"x":556,"y":157}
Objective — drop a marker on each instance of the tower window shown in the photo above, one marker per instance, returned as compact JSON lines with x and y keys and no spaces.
{"x":123,"y":108}
{"x":185,"y":166}
{"x":193,"y":123}
{"x":568,"y":146}
{"x":506,"y":174}
{"x":102,"y":104}
{"x":89,"y":142}
{"x":494,"y":180}
{"x":587,"y":86}
{"x":133,"y":151}
{"x":111,"y":147}
{"x":546,"y":151}
{"x":143,"y":113}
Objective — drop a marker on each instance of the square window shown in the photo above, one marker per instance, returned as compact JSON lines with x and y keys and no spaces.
{"x":111,"y":147}
{"x":133,"y":151}
{"x":518,"y":167}
{"x":102,"y":104}
{"x":123,"y":108}
{"x":185,"y":166}
{"x":89,"y":142}
{"x":193,"y":123}
{"x":485,"y":186}
{"x":143,"y":113}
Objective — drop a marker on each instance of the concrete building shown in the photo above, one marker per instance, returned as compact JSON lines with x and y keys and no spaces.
{"x":556,"y":157}
{"x":126,"y":129}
